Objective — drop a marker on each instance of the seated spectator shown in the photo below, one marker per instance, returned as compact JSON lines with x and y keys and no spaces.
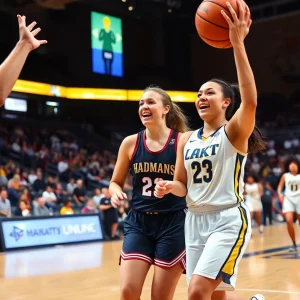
{"x":71,"y":186}
{"x":32,"y":177}
{"x":25,"y":194}
{"x":39,"y":184}
{"x":67,"y":208}
{"x":97,"y":197}
{"x":79,"y":193}
{"x":40,"y":209}
{"x":16,"y":185}
{"x":60,"y":193}
{"x":22,"y":209}
{"x":49,"y":197}
{"x":89,"y":207}
{"x":5,"y":208}
{"x":24,"y":180}
{"x":12,"y":194}
{"x":50,"y":181}
{"x":63,"y":169}
{"x":3,"y":178}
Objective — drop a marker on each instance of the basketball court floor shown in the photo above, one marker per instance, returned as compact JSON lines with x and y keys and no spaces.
{"x":91,"y":271}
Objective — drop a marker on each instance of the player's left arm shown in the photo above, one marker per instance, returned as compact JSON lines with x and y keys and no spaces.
{"x":260,"y":189}
{"x":242,"y":123}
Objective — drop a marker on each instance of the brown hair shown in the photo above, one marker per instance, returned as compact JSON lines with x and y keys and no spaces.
{"x":256,"y":141}
{"x":175,"y":118}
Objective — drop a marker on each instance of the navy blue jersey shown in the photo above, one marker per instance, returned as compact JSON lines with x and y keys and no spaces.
{"x":146,"y":168}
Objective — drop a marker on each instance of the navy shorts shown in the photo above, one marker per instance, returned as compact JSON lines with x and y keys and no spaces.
{"x":155,"y":238}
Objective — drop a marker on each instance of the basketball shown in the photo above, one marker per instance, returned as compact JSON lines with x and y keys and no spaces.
{"x":212,"y":27}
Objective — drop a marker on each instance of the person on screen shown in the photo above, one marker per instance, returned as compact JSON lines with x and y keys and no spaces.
{"x":10,"y":69}
{"x":108,"y":37}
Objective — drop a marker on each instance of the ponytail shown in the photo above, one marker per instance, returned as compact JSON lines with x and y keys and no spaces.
{"x":256,"y":141}
{"x":175,"y":118}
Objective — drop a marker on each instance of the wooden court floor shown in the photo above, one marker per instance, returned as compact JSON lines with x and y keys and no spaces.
{"x":91,"y":271}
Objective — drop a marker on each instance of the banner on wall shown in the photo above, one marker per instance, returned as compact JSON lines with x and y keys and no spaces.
{"x":35,"y":232}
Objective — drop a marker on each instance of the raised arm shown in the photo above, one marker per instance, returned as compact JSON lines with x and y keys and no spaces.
{"x":11,"y":68}
{"x":121,"y":170}
{"x":242,"y":123}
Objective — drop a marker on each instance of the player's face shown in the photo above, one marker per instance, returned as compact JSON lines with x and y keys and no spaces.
{"x":151,"y":108}
{"x":210,"y":102}
{"x":250,"y":179}
{"x":293,"y":168}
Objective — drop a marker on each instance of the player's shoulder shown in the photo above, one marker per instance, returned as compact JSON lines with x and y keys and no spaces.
{"x":129,"y":141}
{"x":184,"y":137}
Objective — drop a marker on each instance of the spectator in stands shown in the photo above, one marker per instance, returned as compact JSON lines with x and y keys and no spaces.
{"x":13,"y":195}
{"x":71,"y":186}
{"x":49,"y":197}
{"x":22,"y":209}
{"x":39,"y":184}
{"x":32,"y":177}
{"x":94,"y":175}
{"x":25,"y":195}
{"x":3,"y":179}
{"x":24,"y":179}
{"x":110,"y":214}
{"x":67,"y":208}
{"x":79,"y":193}
{"x":40,"y":209}
{"x":63,"y":169}
{"x":60,"y":193}
{"x":5,"y":208}
{"x":89,"y":207}
{"x":97,"y":197}
{"x":16,"y":182}
{"x":50,"y":181}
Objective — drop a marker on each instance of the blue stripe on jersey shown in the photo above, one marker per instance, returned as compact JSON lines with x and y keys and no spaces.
{"x":146,"y":168}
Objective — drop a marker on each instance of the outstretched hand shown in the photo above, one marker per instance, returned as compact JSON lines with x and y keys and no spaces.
{"x":27,"y":34}
{"x":239,"y":27}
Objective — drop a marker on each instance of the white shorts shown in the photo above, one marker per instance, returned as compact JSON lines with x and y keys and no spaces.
{"x":254,"y":205}
{"x":290,"y":206}
{"x":215,"y":244}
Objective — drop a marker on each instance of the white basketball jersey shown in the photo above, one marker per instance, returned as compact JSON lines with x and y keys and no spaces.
{"x":292,"y":186}
{"x":252,"y":191}
{"x":215,"y":171}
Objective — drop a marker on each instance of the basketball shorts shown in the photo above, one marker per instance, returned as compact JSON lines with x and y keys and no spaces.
{"x":254,"y":205}
{"x":155,"y":238}
{"x":291,"y":206}
{"x":215,"y":244}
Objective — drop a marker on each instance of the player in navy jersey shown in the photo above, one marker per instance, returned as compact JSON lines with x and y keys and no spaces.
{"x":10,"y":69}
{"x":154,"y":227}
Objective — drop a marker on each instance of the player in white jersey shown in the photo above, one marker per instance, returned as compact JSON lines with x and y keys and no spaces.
{"x":291,"y":198}
{"x":254,"y":191}
{"x":209,"y":172}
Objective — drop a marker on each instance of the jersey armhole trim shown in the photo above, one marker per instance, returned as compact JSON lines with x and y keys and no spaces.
{"x":176,"y":142}
{"x":135,"y":148}
{"x":238,"y":151}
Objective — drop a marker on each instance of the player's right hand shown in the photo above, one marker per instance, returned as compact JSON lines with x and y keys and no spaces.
{"x":281,"y":197}
{"x":118,"y":198}
{"x":27,"y":33}
{"x":162,"y":188}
